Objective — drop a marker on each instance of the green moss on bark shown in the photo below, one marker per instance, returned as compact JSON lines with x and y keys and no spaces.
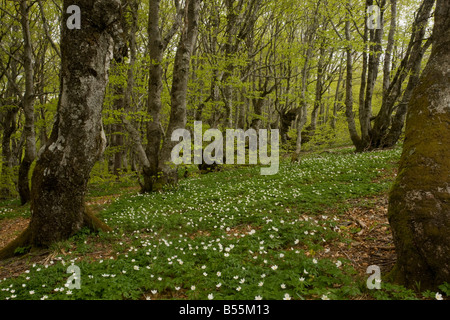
{"x":419,"y":209}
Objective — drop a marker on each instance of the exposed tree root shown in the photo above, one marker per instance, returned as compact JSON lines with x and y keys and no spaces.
{"x":25,"y":238}
{"x":94,"y":223}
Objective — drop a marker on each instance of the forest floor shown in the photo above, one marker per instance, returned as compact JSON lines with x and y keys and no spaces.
{"x":310,"y":232}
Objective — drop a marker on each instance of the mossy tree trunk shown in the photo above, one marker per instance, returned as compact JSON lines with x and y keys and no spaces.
{"x":419,"y":208}
{"x":77,"y":140}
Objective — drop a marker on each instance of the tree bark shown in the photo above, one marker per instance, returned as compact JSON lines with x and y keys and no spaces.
{"x":419,"y":208}
{"x":365,"y":110}
{"x":154,"y":104}
{"x":77,"y":140}
{"x":303,"y":110}
{"x":9,"y":127}
{"x":149,"y":155}
{"x":318,"y":103}
{"x":349,"y":86}
{"x":8,"y":116}
{"x":167,"y":172}
{"x":388,"y":128}
{"x":28,"y":107}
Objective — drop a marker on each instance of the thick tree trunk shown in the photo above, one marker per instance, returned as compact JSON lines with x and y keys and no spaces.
{"x":77,"y":141}
{"x":419,"y":209}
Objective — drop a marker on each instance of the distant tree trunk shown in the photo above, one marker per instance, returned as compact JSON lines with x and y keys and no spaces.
{"x":119,"y":104}
{"x":302,"y":111}
{"x":375,"y":50}
{"x":241,"y":17}
{"x":349,"y":86}
{"x":383,"y":135}
{"x":9,"y":127}
{"x":8,"y":116}
{"x":338,"y":94}
{"x":318,"y":103}
{"x":28,"y":107}
{"x":77,"y":140}
{"x":166,"y":170}
{"x":154,"y":104}
{"x":242,"y":111}
{"x":149,"y":156}
{"x":116,"y":129}
{"x":419,"y":206}
{"x":387,"y":128}
{"x":231,"y":45}
{"x":128,"y":96}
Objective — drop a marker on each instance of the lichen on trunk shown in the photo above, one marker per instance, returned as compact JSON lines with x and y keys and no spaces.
{"x":77,"y":140}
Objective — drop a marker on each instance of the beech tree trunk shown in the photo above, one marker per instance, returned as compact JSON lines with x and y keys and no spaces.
{"x":349,"y":85}
{"x":154,"y":104}
{"x":149,"y":155}
{"x":77,"y":140}
{"x":8,"y":119}
{"x":167,"y":172}
{"x":302,"y":111}
{"x":419,"y":208}
{"x":384,"y":130}
{"x":386,"y":127}
{"x":28,"y":107}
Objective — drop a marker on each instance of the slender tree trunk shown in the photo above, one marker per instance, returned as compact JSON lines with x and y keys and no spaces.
{"x":242,"y":111}
{"x":365,"y":113}
{"x":9,"y":124}
{"x":419,"y":206}
{"x":337,"y":95}
{"x":128,"y":96}
{"x":167,"y":172}
{"x":9,"y":127}
{"x":77,"y":140}
{"x":28,"y":107}
{"x":383,"y":135}
{"x":318,"y":103}
{"x":302,"y":115}
{"x":349,"y":87}
{"x":154,"y":104}
{"x":387,"y":68}
{"x":240,"y":22}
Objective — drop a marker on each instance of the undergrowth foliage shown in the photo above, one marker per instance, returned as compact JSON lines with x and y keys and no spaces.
{"x":232,"y":234}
